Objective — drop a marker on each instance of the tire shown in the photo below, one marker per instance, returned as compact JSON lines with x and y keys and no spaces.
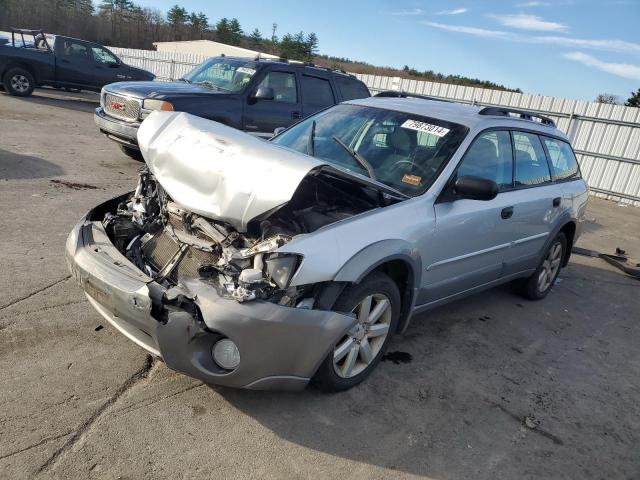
{"x":538,"y":285}
{"x":353,"y":362}
{"x":19,"y":82}
{"x":132,"y":153}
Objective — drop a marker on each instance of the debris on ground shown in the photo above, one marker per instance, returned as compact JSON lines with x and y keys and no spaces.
{"x":531,"y":422}
{"x":74,"y":185}
{"x":397,"y":357}
{"x":98,"y":328}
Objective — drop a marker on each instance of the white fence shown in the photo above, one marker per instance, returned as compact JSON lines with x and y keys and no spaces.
{"x":606,"y":138}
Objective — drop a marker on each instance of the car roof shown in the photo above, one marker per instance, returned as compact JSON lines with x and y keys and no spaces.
{"x":294,"y":64}
{"x":467,"y":115}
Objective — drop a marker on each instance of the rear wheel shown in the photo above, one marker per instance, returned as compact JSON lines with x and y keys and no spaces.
{"x":538,"y":285}
{"x":132,"y":153}
{"x":19,"y":82}
{"x":376,"y":303}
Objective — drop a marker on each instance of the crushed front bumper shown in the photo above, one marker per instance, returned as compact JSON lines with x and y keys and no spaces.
{"x":280,"y":347}
{"x":125,"y":133}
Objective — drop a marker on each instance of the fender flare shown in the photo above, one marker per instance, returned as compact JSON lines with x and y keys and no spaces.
{"x":565,"y":219}
{"x":379,"y":253}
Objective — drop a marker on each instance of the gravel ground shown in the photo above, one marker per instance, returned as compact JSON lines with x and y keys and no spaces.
{"x":488,"y":387}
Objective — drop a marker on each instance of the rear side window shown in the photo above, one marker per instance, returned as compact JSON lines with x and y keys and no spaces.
{"x":351,"y":88}
{"x":317,"y":94}
{"x":531,"y":161}
{"x":490,"y":157}
{"x":563,"y":161}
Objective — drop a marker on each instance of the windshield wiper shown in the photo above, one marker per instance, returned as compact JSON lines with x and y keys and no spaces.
{"x":357,"y":157}
{"x":311,"y":147}
{"x":184,"y":80}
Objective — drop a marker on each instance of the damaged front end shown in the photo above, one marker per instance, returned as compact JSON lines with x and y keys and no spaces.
{"x":171,"y":244}
{"x":192,"y":257}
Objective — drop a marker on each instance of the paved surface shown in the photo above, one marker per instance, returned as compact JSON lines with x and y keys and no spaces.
{"x":81,"y":401}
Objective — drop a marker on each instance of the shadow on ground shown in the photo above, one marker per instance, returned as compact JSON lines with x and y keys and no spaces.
{"x":81,"y":102}
{"x":460,"y":407}
{"x":14,"y":166}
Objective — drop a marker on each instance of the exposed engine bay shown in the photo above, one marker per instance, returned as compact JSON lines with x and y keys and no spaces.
{"x":170,"y":243}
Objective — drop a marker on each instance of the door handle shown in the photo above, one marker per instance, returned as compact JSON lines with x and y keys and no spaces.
{"x":296,"y":115}
{"x":556,"y":202}
{"x":506,"y":212}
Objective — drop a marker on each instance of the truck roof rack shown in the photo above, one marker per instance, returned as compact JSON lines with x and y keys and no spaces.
{"x":399,"y":94}
{"x":523,"y":114}
{"x":28,"y":31}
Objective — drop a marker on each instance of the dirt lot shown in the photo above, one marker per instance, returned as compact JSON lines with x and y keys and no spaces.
{"x":81,"y":401}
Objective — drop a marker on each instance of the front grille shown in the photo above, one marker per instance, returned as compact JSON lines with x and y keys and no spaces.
{"x":121,"y":107}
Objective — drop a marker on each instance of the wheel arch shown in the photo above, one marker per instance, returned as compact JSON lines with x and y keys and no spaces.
{"x":396,"y":258}
{"x":18,"y":64}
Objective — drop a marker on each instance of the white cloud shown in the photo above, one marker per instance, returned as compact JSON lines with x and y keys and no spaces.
{"x":606,"y":45}
{"x":405,"y":13}
{"x":610,"y":45}
{"x":455,"y":11}
{"x":534,"y":4}
{"x":479,"y":32}
{"x":529,"y":22}
{"x":625,"y":70}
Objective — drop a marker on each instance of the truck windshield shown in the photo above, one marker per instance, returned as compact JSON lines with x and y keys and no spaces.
{"x":402,"y":150}
{"x":220,"y":73}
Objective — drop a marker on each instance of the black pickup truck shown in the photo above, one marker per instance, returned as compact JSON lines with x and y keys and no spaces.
{"x":256,"y":95}
{"x":31,"y":59}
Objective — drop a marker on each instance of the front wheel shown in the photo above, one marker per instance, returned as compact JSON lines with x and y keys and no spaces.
{"x":538,"y":285}
{"x":19,"y":82}
{"x":376,"y":303}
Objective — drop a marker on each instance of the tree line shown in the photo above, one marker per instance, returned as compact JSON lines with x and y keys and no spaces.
{"x":611,"y":99}
{"x":123,"y":23}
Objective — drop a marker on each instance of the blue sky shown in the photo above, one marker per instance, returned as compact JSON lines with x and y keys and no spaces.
{"x":568,"y":48}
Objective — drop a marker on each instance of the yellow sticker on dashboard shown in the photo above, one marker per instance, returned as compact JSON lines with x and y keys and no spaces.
{"x":411,"y":179}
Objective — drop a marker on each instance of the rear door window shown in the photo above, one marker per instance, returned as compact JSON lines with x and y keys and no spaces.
{"x":316,"y":94}
{"x":531,"y":161}
{"x":564,"y":164}
{"x":490,"y":157}
{"x":351,"y":88}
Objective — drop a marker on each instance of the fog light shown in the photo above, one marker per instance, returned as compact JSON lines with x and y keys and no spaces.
{"x":226,"y":354}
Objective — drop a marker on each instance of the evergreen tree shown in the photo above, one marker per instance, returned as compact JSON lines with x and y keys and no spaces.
{"x":634,"y":99}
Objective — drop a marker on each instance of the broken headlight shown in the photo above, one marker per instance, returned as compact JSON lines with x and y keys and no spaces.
{"x":281,"y":267}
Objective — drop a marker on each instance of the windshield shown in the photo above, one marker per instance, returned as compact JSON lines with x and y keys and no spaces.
{"x":403,"y":150}
{"x":228,"y":74}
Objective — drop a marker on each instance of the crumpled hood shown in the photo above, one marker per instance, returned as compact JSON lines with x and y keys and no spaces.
{"x":217,"y":171}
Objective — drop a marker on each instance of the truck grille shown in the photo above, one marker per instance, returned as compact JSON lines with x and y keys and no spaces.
{"x":121,"y":107}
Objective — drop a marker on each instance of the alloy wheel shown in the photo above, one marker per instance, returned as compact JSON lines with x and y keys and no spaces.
{"x":362,"y":343}
{"x":550,"y":267}
{"x":20,"y":83}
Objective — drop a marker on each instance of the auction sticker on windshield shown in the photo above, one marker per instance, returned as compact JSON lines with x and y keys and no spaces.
{"x":425,"y":127}
{"x":248,"y":71}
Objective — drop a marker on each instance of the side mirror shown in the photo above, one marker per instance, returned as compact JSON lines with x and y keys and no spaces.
{"x":278,"y":131}
{"x":264,"y":93}
{"x":475,"y":188}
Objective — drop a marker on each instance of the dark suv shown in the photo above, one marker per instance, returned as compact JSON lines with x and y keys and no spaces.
{"x":254,"y":95}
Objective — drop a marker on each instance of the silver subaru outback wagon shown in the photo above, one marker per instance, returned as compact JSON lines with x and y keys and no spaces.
{"x":265,"y":265}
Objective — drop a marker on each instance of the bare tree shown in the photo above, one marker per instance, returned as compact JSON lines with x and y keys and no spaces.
{"x":608,"y":98}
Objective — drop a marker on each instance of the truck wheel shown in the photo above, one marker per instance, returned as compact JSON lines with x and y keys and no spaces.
{"x":376,"y":303}
{"x":132,"y":153}
{"x":19,"y":82}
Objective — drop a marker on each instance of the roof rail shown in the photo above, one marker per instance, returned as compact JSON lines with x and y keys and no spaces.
{"x":399,"y":94}
{"x":523,"y":114}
